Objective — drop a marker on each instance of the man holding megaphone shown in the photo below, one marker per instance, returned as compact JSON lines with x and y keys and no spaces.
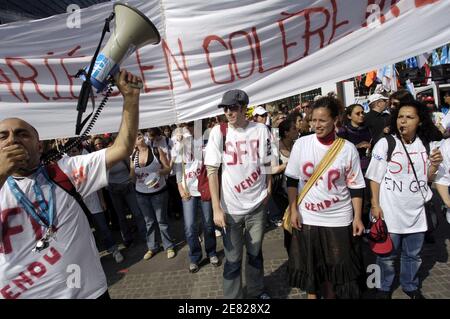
{"x":45,"y":239}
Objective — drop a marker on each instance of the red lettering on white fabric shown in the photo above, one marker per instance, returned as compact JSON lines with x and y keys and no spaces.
{"x":241,"y":152}
{"x":229,"y":150}
{"x":422,"y":3}
{"x":7,"y":230}
{"x":333,"y":176}
{"x":22,"y":79}
{"x":400,"y":167}
{"x":248,"y":181}
{"x":23,"y":279}
{"x":41,"y":269}
{"x":254,"y":150}
{"x":37,"y":269}
{"x":308,"y":169}
{"x":7,"y":294}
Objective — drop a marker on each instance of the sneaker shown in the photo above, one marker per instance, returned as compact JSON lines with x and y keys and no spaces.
{"x":215,"y":261}
{"x":149,"y":254}
{"x":193,"y":268}
{"x":170,"y":253}
{"x":118,"y":257}
{"x":264,"y":295}
{"x":219,"y":233}
{"x":415,"y":294}
{"x":276,"y":222}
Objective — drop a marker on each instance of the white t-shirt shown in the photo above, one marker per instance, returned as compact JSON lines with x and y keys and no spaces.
{"x":92,"y":202}
{"x":243,"y":181}
{"x":400,"y":198}
{"x":146,"y":174}
{"x":443,"y":174}
{"x":46,"y":274}
{"x":192,"y":164}
{"x":328,"y":203}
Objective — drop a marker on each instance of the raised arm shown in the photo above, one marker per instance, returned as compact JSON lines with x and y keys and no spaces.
{"x":124,"y":143}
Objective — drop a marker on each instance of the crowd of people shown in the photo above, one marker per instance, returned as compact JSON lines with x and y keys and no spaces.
{"x":331,"y":171}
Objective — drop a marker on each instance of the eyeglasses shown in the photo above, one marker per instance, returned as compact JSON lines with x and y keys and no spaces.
{"x":231,"y":108}
{"x":264,"y":115}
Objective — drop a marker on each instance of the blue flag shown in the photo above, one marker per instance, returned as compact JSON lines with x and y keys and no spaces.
{"x":435,"y":58}
{"x":444,"y":55}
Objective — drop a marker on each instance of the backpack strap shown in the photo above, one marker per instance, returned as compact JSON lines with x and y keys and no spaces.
{"x":62,"y":180}
{"x":391,"y":146}
{"x":223,"y":130}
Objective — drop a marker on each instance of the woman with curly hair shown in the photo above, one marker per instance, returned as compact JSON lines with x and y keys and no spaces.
{"x":324,"y":253}
{"x":399,"y":177}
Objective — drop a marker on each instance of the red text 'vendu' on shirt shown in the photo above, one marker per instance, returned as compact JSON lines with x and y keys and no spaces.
{"x":70,"y":267}
{"x":247,"y":150}
{"x":328,"y":202}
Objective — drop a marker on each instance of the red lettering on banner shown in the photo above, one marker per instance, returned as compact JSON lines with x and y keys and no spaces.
{"x":394,"y":9}
{"x":233,"y":56}
{"x":308,"y":32}
{"x":184,"y":70}
{"x":422,"y":3}
{"x":259,"y":54}
{"x":23,"y":79}
{"x":206,"y":43}
{"x":142,"y":69}
{"x":336,"y":25}
{"x":8,"y":84}
{"x":7,"y":230}
{"x":70,"y":77}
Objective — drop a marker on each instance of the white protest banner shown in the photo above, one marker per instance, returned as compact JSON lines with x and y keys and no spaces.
{"x":269,"y":48}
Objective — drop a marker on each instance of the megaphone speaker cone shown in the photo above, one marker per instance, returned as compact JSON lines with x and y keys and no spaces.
{"x":132,"y":31}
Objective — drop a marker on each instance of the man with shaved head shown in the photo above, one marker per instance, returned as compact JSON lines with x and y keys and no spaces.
{"x":46,"y":245}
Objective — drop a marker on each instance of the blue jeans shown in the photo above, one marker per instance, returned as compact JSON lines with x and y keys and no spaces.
{"x":123,"y":195}
{"x":105,"y":233}
{"x":191,"y":209}
{"x":409,"y":245}
{"x":154,"y":209}
{"x":243,"y":230}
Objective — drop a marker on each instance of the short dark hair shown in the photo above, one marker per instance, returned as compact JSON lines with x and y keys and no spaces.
{"x":285,"y":126}
{"x":334,"y":106}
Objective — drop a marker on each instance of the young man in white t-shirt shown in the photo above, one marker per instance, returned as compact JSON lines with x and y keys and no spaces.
{"x":245,"y":187}
{"x":46,"y":246}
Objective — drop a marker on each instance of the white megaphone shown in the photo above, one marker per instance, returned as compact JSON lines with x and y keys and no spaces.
{"x":132,"y":31}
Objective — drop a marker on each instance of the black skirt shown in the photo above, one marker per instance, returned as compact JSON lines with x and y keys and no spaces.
{"x":326,"y":254}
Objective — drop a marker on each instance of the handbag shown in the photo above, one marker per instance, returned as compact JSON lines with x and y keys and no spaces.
{"x":324,"y":164}
{"x":203,"y":182}
{"x":430,"y":212}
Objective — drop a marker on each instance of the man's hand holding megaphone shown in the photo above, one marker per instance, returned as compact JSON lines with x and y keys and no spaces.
{"x":129,"y":85}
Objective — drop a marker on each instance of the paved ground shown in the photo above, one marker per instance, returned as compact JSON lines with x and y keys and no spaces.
{"x":165,"y":278}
